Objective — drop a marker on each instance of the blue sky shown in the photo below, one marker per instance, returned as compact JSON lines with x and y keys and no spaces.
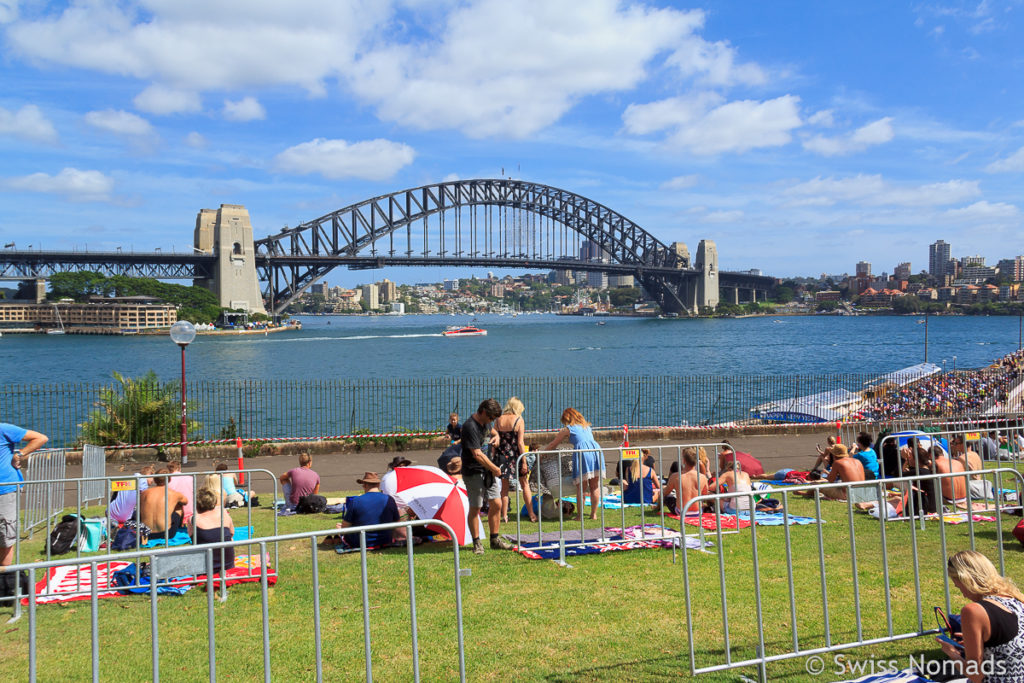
{"x":801,"y":136}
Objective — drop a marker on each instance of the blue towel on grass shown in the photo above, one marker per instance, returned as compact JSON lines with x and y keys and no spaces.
{"x":157,"y":540}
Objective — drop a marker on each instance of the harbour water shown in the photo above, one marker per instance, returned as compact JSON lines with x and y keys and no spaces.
{"x":411,"y":347}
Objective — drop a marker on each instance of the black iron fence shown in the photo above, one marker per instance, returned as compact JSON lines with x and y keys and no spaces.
{"x":109,"y":413}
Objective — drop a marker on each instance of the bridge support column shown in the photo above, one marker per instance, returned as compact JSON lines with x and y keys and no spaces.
{"x":707,"y":282}
{"x":227,"y":233}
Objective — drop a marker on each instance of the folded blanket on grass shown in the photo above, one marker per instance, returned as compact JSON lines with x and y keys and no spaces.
{"x":776,"y":518}
{"x":157,"y":541}
{"x":531,"y":551}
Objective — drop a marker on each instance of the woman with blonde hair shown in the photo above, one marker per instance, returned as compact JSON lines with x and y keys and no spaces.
{"x":587,"y":462}
{"x":992,"y":623}
{"x":642,"y":485}
{"x":510,"y":429}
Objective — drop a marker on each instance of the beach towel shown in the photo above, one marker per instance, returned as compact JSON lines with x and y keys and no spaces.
{"x":709,"y":521}
{"x":157,"y":540}
{"x":129,"y":583}
{"x":59,"y":582}
{"x":246,"y":570}
{"x":776,"y":518}
{"x":612,"y":501}
{"x":662,"y":537}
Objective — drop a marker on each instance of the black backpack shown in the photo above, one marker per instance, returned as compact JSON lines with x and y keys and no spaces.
{"x":311,"y":504}
{"x":9,"y":583}
{"x":64,"y":535}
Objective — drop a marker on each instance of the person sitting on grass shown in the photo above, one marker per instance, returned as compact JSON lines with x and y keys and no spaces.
{"x":229,"y":487}
{"x":300,"y":481}
{"x":844,"y":469}
{"x":122,"y":503}
{"x":824,"y":461}
{"x":971,"y":462}
{"x":954,"y":489}
{"x":683,"y":486}
{"x":992,"y":622}
{"x":372,"y":507}
{"x":212,"y":524}
{"x":161,"y":508}
{"x":864,"y":452}
{"x":732,"y":480}
{"x":642,"y":485}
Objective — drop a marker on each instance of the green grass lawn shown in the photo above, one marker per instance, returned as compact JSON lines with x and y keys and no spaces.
{"x":618,"y":616}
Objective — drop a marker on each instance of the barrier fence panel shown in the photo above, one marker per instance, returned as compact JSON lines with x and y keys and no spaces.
{"x":551,"y":475}
{"x":202,"y":559}
{"x":94,"y":465}
{"x":778,"y":619}
{"x":66,"y":496}
{"x":42,"y":495}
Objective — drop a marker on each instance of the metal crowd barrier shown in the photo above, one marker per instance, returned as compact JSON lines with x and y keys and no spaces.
{"x":701,"y":599}
{"x":42,"y":470}
{"x":207,"y":551}
{"x":574,"y":533}
{"x":57,"y":491}
{"x":94,"y":465}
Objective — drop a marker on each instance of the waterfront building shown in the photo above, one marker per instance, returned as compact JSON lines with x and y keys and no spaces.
{"x":938,"y":259}
{"x":388,"y":291}
{"x":111,"y":316}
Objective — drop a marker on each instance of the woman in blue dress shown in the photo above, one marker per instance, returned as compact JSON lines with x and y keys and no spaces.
{"x":588,"y":460}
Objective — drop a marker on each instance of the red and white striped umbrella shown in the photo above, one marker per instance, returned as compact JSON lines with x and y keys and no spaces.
{"x":431,"y":494}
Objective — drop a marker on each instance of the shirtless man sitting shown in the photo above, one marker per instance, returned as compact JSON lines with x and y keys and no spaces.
{"x":152,"y":510}
{"x":688,"y":484}
{"x":954,"y":489}
{"x":971,"y":461}
{"x":844,"y":469}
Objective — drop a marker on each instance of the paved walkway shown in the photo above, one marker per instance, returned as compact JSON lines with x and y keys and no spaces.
{"x":339,"y":472}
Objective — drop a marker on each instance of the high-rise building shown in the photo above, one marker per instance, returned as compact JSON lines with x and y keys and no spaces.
{"x":388,"y":291}
{"x":902,"y":271}
{"x":863,"y":269}
{"x":371,"y":296}
{"x":451,"y":285}
{"x":320,"y":288}
{"x":967,"y":261}
{"x":938,"y":258}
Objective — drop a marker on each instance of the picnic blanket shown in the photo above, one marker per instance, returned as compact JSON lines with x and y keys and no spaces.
{"x":60,"y":583}
{"x":611,"y":501}
{"x":709,"y":521}
{"x":531,"y":551}
{"x":157,"y":541}
{"x":775,"y":518}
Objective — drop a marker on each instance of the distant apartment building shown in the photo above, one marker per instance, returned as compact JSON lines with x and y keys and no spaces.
{"x":498,"y":291}
{"x":938,"y":259}
{"x":968,"y":261}
{"x":122,"y":314}
{"x":320,"y":288}
{"x":398,"y":307}
{"x":1011,"y":268}
{"x":827,"y":295}
{"x":902,"y":271}
{"x":863,"y":269}
{"x":451,"y":285}
{"x":371,"y":296}
{"x":975,"y":274}
{"x":615,"y":281}
{"x":388,"y":291}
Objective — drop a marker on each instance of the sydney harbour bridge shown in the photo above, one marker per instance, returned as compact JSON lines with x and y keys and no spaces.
{"x":494,"y":223}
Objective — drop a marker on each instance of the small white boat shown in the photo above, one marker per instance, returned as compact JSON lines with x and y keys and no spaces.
{"x":467,"y":331}
{"x":59,"y":322}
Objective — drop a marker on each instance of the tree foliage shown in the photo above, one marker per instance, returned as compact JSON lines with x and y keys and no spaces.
{"x":194,"y":303}
{"x":134,"y":411}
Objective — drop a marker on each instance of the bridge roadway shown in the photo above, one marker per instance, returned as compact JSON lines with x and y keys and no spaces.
{"x":23,"y":265}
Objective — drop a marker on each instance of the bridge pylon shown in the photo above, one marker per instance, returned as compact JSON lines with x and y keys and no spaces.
{"x":227,"y":234}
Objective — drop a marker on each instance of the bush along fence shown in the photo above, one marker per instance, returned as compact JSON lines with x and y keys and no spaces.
{"x":146,"y":410}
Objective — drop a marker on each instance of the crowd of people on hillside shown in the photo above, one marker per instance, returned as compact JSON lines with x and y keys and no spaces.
{"x":964,"y":392}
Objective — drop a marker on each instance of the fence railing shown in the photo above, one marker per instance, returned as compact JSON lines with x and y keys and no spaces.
{"x":42,"y":493}
{"x":94,"y":461}
{"x":138,"y":411}
{"x":206,"y":554}
{"x":788,"y":604}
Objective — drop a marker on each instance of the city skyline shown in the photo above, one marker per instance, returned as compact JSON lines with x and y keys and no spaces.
{"x":801,"y":139}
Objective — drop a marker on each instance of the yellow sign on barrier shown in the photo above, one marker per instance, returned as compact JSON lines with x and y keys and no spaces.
{"x":630,"y":453}
{"x":122,"y":485}
{"x":972,"y":436}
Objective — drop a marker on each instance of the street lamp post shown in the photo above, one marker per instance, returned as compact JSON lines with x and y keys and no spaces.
{"x":954,"y":363}
{"x":182,"y":334}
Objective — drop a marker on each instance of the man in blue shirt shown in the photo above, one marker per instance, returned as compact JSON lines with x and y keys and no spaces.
{"x":10,"y":471}
{"x":373,"y":507}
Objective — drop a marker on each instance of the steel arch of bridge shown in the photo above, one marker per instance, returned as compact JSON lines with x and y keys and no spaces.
{"x":293,"y":259}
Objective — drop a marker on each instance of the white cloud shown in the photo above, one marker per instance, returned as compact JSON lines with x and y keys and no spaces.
{"x":984,"y":211}
{"x":72,"y":183}
{"x":737,"y":126}
{"x":873,"y":190}
{"x":718,"y":217}
{"x":1011,"y":164}
{"x":337,"y":159}
{"x":450,"y":178}
{"x":486,"y":68}
{"x":162,"y":100}
{"x":245,"y":109}
{"x":195,"y":140}
{"x":8,"y":11}
{"x":119,"y":122}
{"x":874,"y":133}
{"x":28,"y":122}
{"x":681,"y":182}
{"x":823,"y":118}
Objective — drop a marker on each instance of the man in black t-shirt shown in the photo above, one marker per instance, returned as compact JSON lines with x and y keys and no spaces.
{"x":481,"y":476}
